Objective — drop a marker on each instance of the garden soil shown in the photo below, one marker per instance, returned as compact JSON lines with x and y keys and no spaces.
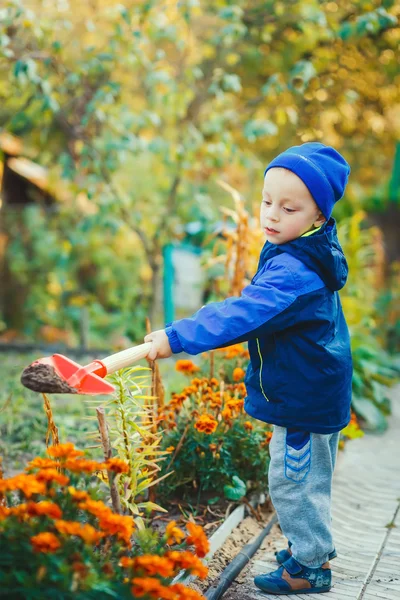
{"x":246,"y":532}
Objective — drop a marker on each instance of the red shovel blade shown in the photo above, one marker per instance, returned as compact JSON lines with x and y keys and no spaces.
{"x":88,"y":382}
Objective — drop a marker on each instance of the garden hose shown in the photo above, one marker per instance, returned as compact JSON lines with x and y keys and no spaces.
{"x":239,"y":562}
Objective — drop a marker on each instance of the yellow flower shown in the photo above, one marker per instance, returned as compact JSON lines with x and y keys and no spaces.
{"x":248,"y":426}
{"x":45,"y":542}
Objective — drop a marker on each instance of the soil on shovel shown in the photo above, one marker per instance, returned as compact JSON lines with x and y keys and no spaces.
{"x":43,"y":378}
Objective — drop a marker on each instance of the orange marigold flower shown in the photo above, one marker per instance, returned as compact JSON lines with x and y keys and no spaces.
{"x":186,"y":366}
{"x":78,"y":495}
{"x":113,"y":524}
{"x":212,"y":447}
{"x":117,"y":465}
{"x":216,"y":401}
{"x":67,"y":450}
{"x":155,"y":565}
{"x":19,"y":511}
{"x":119,"y":525}
{"x":27,"y":484}
{"x":4,"y":512}
{"x":188,"y":561}
{"x":206,"y":424}
{"x":226,"y":414}
{"x":240,"y":388}
{"x":50,"y":475}
{"x":174,"y":534}
{"x":233,"y":351}
{"x":185,"y":593}
{"x":170,"y":448}
{"x":83,"y":465}
{"x":238,"y":374}
{"x":45,"y":542}
{"x":126,"y":562}
{"x":235,"y":404}
{"x":268,"y":436}
{"x":143,"y":586}
{"x":49,"y":509}
{"x":248,"y":426}
{"x":198,"y":539}
{"x":86,"y":532}
{"x":41,"y":463}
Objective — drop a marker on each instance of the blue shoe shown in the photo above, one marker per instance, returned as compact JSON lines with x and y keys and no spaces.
{"x":294,"y":578}
{"x":285,"y":554}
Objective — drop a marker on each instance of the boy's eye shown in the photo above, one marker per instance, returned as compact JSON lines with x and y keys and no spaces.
{"x":267,"y":202}
{"x":289,"y":210}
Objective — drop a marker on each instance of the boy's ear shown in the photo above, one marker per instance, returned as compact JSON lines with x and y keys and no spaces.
{"x":320,"y":220}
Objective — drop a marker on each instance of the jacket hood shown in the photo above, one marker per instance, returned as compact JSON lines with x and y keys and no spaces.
{"x":321,"y":252}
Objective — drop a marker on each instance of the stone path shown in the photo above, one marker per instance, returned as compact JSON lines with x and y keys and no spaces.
{"x":366,"y":524}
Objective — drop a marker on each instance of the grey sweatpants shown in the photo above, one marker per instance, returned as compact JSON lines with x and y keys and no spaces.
{"x":300,"y":484}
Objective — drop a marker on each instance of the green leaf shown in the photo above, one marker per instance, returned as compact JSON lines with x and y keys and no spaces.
{"x":366,"y":409}
{"x":149,"y":506}
{"x":256,"y":129}
{"x":236,"y":491}
{"x":213,"y":500}
{"x":231,"y":83}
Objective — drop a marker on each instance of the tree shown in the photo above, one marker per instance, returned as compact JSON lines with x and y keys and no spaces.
{"x":139,"y":105}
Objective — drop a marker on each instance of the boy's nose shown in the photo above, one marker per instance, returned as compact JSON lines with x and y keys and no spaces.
{"x":273,"y":215}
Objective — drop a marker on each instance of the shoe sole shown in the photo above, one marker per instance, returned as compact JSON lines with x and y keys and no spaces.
{"x":292,"y":592}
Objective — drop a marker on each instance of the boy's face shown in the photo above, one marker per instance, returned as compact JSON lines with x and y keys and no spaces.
{"x":287,"y":208}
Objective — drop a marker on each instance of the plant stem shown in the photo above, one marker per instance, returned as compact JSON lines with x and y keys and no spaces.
{"x":105,"y":442}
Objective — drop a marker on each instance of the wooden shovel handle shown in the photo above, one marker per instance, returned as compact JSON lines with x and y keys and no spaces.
{"x":126,"y":358}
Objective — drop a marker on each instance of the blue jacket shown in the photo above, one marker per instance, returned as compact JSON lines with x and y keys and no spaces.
{"x":300,"y":369}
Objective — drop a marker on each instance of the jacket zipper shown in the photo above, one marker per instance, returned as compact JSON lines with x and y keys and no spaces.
{"x":261,"y":367}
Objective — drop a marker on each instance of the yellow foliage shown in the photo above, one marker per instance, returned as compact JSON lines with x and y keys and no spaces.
{"x":364,"y":251}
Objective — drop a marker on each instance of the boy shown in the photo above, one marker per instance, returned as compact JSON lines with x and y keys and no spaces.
{"x":299,"y":376}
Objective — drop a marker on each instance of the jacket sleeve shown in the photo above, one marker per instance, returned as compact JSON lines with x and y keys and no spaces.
{"x":237,"y":319}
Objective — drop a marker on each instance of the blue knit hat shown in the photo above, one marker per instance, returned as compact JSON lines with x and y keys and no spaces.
{"x":323,"y":170}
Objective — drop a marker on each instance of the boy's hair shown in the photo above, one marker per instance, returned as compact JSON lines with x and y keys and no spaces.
{"x":321,"y":168}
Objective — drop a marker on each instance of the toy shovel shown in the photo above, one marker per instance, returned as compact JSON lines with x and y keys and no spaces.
{"x":59,"y":374}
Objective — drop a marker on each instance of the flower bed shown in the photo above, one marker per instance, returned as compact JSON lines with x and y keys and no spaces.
{"x":57,"y":539}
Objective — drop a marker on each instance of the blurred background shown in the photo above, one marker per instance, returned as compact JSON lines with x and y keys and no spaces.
{"x":133,"y":139}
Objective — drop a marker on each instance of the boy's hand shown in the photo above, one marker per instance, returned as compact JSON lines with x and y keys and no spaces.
{"x":160,"y":347}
